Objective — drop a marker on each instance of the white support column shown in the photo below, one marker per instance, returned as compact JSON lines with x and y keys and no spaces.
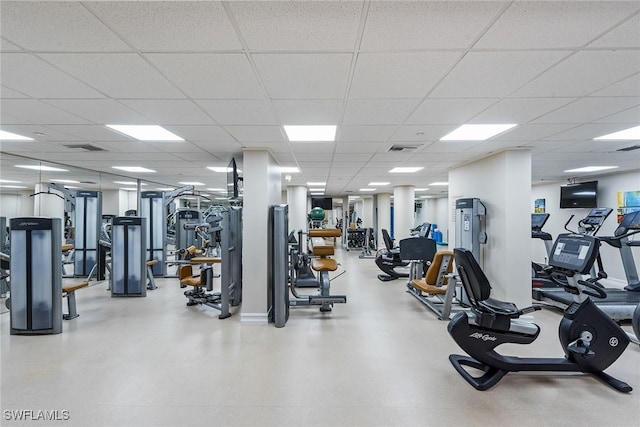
{"x":384,"y":215}
{"x":367,"y":212}
{"x":403,"y":204}
{"x":297,"y":201}
{"x":262,"y":188}
{"x":48,"y":203}
{"x":503,"y":183}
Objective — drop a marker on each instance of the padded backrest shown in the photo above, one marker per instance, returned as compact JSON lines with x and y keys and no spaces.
{"x":185,"y":271}
{"x":433,"y":273}
{"x":387,"y":239}
{"x":473,"y":279}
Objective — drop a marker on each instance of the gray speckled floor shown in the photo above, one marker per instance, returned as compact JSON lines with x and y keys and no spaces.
{"x":379,"y":360}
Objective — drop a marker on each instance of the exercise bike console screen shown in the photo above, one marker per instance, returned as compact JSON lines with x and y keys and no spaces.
{"x":538,"y":220}
{"x":574,"y":252}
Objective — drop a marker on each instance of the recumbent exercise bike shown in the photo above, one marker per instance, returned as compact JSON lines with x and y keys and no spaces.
{"x":590,"y":339}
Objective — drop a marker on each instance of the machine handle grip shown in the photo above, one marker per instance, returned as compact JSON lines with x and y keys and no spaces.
{"x":599,"y":292}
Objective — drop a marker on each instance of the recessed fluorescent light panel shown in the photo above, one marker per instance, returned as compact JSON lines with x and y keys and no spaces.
{"x":8,"y":136}
{"x":134,"y":169}
{"x":592,"y":169}
{"x":42,"y":168}
{"x":406,"y":169}
{"x":129,"y":189}
{"x":10,"y":181}
{"x":12,"y":186}
{"x":310,"y":133}
{"x":146,"y":132}
{"x":194,"y":183}
{"x":631,"y":133}
{"x":378,"y":183}
{"x":421,"y":189}
{"x":439,"y":183}
{"x":476,"y":132}
{"x":313,"y":184}
{"x":316,"y":190}
{"x":367,"y":189}
{"x":65,"y":181}
{"x":216,"y":189}
{"x":219,"y":169}
{"x":289,"y":169}
{"x":165,"y":189}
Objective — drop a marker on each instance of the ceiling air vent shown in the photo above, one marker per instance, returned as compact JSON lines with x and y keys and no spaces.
{"x":86,"y":147}
{"x":398,"y":148}
{"x":633,"y":147}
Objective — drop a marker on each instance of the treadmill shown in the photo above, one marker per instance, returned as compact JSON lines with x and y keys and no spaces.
{"x":539,"y":278}
{"x":619,"y":304}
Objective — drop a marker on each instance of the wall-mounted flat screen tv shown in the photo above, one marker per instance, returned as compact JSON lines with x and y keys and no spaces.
{"x":234,"y":181}
{"x":579,"y":195}
{"x":325,"y":203}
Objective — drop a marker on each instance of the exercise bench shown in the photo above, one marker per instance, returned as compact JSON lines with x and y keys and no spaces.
{"x":69,"y":291}
{"x":437,"y":288}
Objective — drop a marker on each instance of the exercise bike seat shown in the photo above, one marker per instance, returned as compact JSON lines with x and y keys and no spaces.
{"x":500,"y":307}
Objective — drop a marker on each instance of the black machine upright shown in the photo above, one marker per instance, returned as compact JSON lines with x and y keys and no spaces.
{"x":389,"y":258}
{"x":591,"y":340}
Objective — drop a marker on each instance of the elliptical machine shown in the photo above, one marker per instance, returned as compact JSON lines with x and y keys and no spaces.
{"x":590,"y":339}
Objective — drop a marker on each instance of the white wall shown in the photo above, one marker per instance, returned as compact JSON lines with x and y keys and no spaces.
{"x":608,"y":186}
{"x":503,"y":183}
{"x":110,"y":202}
{"x":442,"y":217}
{"x":127,"y":200}
{"x":13,"y":205}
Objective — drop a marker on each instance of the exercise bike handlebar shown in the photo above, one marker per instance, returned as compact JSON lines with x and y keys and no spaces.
{"x":567,"y":223}
{"x":598,"y":291}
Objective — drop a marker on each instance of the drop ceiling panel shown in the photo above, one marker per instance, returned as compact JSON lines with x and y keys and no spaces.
{"x":298,"y":25}
{"x":210,"y":75}
{"x":118,"y":75}
{"x":255,"y":133}
{"x":399,"y":75}
{"x":56,"y":26}
{"x":91,"y":132}
{"x":626,"y":34}
{"x":625,"y":87}
{"x":125,"y":147}
{"x":363,"y":148}
{"x":173,"y":146}
{"x":305,"y":112}
{"x":630,"y":116}
{"x":532,"y":132}
{"x":30,"y":75}
{"x":169,"y":111}
{"x":312,"y":148}
{"x":495,"y":74}
{"x":586,"y":132}
{"x":190,"y":26}
{"x":519,"y":110}
{"x":240,"y":112}
{"x":588,"y":109}
{"x":426,"y":25}
{"x":315,"y":157}
{"x":7,"y":46}
{"x":583,"y":73}
{"x":39,"y":112}
{"x":50,"y":135}
{"x":450,"y":147}
{"x":100,"y":111}
{"x":582,"y":149}
{"x":429,"y":133}
{"x":25,"y":147}
{"x":547,"y":146}
{"x":6,"y":93}
{"x":365,"y":133}
{"x":201,"y":133}
{"x":553,"y":24}
{"x":295,"y":76}
{"x":449,"y":111}
{"x":219,"y":147}
{"x":378,"y":111}
{"x":7,"y":119}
